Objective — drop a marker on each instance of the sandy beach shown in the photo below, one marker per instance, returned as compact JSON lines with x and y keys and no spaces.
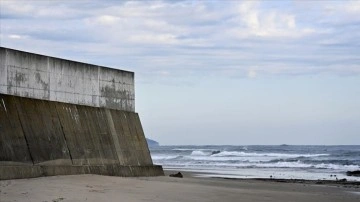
{"x":107,"y":188}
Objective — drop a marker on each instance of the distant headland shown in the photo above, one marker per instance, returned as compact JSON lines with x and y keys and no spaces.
{"x":152,"y":143}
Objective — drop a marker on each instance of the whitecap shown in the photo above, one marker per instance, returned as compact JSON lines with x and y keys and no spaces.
{"x":198,"y":153}
{"x":191,"y":149}
{"x":253,"y":154}
{"x":170,"y":157}
{"x":337,"y":167}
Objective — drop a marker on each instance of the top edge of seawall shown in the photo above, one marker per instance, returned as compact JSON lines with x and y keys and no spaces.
{"x":104,"y":67}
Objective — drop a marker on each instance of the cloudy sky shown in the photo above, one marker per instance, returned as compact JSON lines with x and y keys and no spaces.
{"x":213,"y":72}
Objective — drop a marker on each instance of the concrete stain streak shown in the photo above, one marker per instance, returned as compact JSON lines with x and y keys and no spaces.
{"x":20,"y":77}
{"x":4,"y":105}
{"x":45,"y":85}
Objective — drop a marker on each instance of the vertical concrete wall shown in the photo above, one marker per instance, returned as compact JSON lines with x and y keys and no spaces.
{"x":48,"y":78}
{"x":3,"y":71}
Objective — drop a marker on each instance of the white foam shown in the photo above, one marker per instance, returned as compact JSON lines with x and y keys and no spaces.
{"x":191,"y":149}
{"x":156,"y":158}
{"x":338,"y":167}
{"x":230,"y":158}
{"x":201,"y":160}
{"x":253,"y":154}
{"x":198,"y":153}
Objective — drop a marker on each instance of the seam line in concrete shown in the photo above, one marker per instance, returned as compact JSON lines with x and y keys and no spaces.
{"x":62,"y":131}
{"x":22,"y":128}
{"x":114,"y":135}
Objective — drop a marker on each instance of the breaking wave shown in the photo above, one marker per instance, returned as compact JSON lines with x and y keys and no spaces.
{"x":308,"y":159}
{"x":236,"y":153}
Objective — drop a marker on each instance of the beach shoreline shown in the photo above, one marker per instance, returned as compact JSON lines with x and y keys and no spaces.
{"x":164,"y":188}
{"x":337,"y":183}
{"x":308,"y":162}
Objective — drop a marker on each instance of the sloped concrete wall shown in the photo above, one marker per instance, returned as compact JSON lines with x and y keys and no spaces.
{"x":62,"y":138}
{"x":42,"y":77}
{"x":53,"y":133}
{"x":13,"y":145}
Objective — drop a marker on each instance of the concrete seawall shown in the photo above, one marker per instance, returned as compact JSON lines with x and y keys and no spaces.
{"x":46,"y":138}
{"x":51,"y":127}
{"x":48,"y":78}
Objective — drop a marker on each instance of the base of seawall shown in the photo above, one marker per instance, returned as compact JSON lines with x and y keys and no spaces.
{"x":32,"y":171}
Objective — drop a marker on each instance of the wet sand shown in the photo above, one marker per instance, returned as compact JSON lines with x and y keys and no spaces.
{"x":107,"y":188}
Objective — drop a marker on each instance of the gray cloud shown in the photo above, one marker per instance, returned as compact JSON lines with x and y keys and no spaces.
{"x":178,"y":38}
{"x":256,"y":72}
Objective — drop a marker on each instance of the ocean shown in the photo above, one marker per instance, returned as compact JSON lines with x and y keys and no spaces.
{"x":260,"y":161}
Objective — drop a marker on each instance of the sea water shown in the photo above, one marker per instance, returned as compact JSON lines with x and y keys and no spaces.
{"x":259,"y":161}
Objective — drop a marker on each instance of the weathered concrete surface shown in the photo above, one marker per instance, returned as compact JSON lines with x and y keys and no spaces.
{"x":3,"y":71}
{"x":13,"y":145}
{"x":60,"y":137}
{"x":42,"y":77}
{"x":42,"y":130}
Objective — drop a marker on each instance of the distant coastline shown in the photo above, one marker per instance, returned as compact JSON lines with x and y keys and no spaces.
{"x":152,"y":143}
